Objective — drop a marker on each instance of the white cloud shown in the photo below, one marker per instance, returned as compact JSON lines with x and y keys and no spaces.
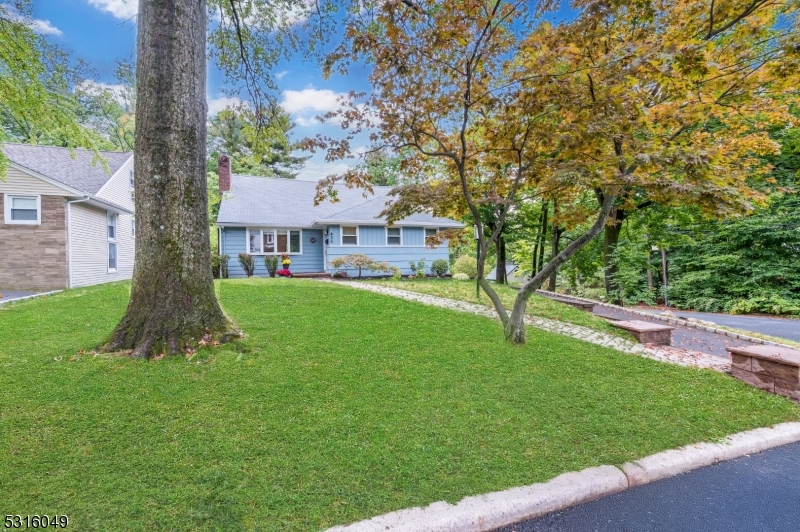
{"x":124,"y":9}
{"x":307,"y":104}
{"x":317,"y":100}
{"x":315,"y":171}
{"x":281,"y":74}
{"x":118,"y":91}
{"x":215,"y":105}
{"x":42,"y":27}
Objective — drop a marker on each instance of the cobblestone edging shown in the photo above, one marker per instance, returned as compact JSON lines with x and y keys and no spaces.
{"x":674,"y":321}
{"x":681,"y":357}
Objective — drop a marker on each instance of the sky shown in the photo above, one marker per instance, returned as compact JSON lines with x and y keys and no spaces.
{"x":103,"y":32}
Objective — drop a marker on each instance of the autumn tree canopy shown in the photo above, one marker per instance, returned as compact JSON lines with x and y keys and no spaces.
{"x":652,"y":101}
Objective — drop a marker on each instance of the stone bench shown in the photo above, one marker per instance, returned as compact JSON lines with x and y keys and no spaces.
{"x":583,"y":305}
{"x":646,"y":332}
{"x":771,"y":368}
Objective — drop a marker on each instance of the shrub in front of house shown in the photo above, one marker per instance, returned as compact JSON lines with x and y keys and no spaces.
{"x":284,"y":273}
{"x":460,"y":277}
{"x":359,"y":262}
{"x":466,"y":265}
{"x":271,"y":262}
{"x":418,"y":268}
{"x":439,"y":267}
{"x":397,"y":274}
{"x":248,"y":263}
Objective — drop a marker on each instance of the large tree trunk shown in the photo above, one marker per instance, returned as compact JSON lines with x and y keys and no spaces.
{"x":610,"y":242}
{"x":172,"y":299}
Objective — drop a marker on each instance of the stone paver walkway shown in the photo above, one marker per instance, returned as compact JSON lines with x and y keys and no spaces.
{"x":681,"y":357}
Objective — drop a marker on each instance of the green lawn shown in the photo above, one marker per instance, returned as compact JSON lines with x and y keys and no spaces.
{"x":338,"y":405}
{"x":537,"y":305}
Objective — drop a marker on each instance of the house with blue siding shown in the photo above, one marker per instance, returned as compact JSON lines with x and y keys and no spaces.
{"x":271,"y":216}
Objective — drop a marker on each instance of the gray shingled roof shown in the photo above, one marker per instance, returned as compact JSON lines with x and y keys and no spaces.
{"x":290,"y":203}
{"x":59,"y":165}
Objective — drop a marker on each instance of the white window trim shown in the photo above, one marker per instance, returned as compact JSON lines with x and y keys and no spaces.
{"x":7,"y":209}
{"x":386,"y":233}
{"x":341,"y":235}
{"x":260,"y":232}
{"x":425,"y":235}
{"x":109,"y":217}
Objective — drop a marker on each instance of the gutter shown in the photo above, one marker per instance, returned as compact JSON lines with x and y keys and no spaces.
{"x":69,"y":238}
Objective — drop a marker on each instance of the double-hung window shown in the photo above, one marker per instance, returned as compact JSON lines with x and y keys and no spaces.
{"x":394,"y":236}
{"x":430,"y":233}
{"x":272,"y":241}
{"x":349,"y":236}
{"x":23,"y":210}
{"x":112,"y":242}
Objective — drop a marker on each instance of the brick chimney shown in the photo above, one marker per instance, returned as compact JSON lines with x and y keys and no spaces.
{"x":224,"y":171}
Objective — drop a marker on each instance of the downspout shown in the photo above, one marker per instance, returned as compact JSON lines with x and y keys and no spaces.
{"x":69,"y":239}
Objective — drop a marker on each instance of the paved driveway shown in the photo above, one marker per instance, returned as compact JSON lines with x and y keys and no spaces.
{"x":781,"y":327}
{"x":683,"y":337}
{"x":750,"y":494}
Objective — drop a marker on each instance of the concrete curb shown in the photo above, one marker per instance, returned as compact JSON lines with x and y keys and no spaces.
{"x":29,"y":297}
{"x":483,"y":513}
{"x":676,"y":321}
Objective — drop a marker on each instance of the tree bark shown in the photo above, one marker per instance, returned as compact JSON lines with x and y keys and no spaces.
{"x":556,"y":241}
{"x":500,"y":278}
{"x":515,"y":323}
{"x":172,"y":302}
{"x":543,"y":234}
{"x":610,"y":242}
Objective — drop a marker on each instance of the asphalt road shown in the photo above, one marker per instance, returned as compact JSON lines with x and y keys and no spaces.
{"x":757,"y":493}
{"x":781,"y":327}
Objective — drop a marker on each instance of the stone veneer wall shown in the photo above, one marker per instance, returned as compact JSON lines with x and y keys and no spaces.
{"x":774,"y":369}
{"x":34,"y":257}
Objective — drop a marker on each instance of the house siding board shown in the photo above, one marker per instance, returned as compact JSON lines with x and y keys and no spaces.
{"x":234,"y":241}
{"x":89,"y":246}
{"x":398,"y":256}
{"x":334,"y":235}
{"x":413,"y":236}
{"x":118,"y":188}
{"x":19,"y":182}
{"x":34,"y":257}
{"x":371,"y":235}
{"x":311,"y":261}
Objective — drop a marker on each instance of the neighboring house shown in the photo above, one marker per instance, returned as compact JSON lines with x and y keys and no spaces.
{"x":65,"y":221}
{"x":513,"y":274}
{"x":265,"y":216}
